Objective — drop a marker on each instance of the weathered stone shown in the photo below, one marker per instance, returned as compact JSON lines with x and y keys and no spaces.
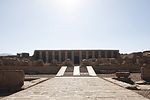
{"x":68,"y":63}
{"x":23,"y":55}
{"x":122,"y":74}
{"x":145,"y":73}
{"x":84,"y":62}
{"x":38,"y":63}
{"x":145,"y":69}
{"x":11,"y":79}
{"x":132,"y":87}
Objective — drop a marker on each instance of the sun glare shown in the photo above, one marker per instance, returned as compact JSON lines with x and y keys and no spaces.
{"x":62,"y":6}
{"x":68,"y":5}
{"x":69,"y":2}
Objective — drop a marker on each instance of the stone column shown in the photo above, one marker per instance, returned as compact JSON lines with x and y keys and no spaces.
{"x":40,"y":55}
{"x":66,"y":55}
{"x":105,"y":54}
{"x":53,"y":55}
{"x":46,"y":56}
{"x":72,"y":53}
{"x":99,"y":54}
{"x":112,"y":54}
{"x":80,"y":56}
{"x":60,"y":56}
{"x":93,"y":54}
{"x":87,"y":56}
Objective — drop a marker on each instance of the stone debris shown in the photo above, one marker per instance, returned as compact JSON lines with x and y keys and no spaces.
{"x":122,"y":74}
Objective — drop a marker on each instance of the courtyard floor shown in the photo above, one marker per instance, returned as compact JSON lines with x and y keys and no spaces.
{"x":75,"y":88}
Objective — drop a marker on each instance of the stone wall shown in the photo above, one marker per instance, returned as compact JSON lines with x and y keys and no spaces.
{"x":113,"y":69}
{"x":33,"y":69}
{"x":16,"y":61}
{"x":11,"y":79}
{"x":145,"y":69}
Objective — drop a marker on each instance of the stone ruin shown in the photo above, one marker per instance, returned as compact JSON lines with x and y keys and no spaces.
{"x":139,"y":60}
{"x":11,"y":80}
{"x":99,"y":62}
{"x":133,"y":59}
{"x":68,"y":63}
{"x":145,"y":68}
{"x":15,"y":61}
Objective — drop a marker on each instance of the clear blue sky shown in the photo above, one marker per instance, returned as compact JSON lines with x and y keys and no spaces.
{"x":27,"y":25}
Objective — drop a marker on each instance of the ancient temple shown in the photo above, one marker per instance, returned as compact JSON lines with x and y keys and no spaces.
{"x":76,"y":56}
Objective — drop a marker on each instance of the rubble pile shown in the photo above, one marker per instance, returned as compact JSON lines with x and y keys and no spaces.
{"x":7,"y":61}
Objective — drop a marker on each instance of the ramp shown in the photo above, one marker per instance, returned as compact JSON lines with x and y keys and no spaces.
{"x":91,"y":71}
{"x":76,"y":71}
{"x":61,"y":71}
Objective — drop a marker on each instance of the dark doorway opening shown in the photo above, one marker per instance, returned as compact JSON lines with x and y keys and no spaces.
{"x":76,"y":60}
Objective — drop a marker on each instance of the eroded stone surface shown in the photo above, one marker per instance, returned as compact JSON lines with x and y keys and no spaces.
{"x":11,"y":79}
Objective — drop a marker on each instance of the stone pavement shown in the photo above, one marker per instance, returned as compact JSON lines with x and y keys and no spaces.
{"x":76,"y":88}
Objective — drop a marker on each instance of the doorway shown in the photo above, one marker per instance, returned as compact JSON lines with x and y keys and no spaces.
{"x":76,"y":60}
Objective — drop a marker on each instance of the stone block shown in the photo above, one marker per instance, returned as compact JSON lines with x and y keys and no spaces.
{"x":145,"y":73}
{"x":122,"y":74}
{"x":11,"y":79}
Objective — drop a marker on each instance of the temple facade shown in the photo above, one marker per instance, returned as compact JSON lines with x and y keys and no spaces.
{"x":76,"y":56}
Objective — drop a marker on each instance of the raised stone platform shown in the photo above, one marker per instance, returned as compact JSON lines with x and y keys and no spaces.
{"x":76,"y":88}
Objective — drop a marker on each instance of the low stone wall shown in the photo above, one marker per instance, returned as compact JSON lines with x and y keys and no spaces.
{"x":33,"y":69}
{"x":122,"y":74}
{"x":113,"y":69}
{"x":11,"y":79}
{"x":55,"y":69}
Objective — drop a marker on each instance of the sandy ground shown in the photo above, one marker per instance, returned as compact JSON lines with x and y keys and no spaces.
{"x":134,"y":77}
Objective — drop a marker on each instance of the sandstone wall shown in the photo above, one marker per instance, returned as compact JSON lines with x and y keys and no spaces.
{"x":113,"y":69}
{"x":11,"y":79}
{"x":33,"y":69}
